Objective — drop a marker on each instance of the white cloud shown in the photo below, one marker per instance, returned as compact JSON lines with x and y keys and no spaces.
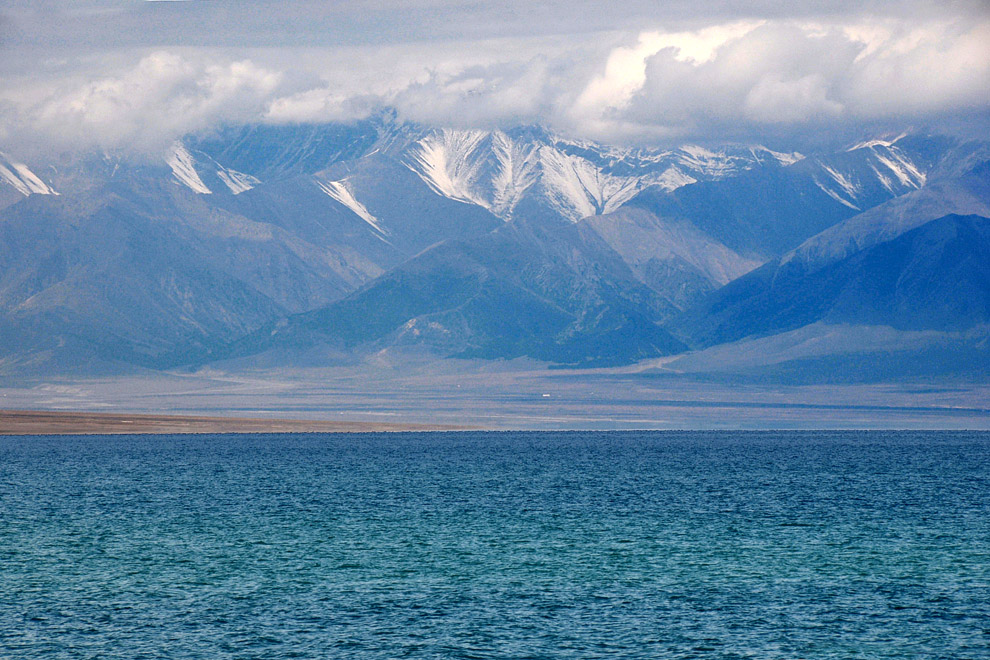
{"x":515,"y":92}
{"x":625,"y":68}
{"x":734,"y":78}
{"x":774,"y":100}
{"x":788,"y":73}
{"x":146,"y":107}
{"x":742,"y":77}
{"x":318,"y":105}
{"x":932,"y":69}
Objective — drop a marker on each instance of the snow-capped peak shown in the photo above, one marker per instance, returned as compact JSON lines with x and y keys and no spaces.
{"x":877,"y":142}
{"x":577,"y":178}
{"x":857,"y":176}
{"x":784,"y":159}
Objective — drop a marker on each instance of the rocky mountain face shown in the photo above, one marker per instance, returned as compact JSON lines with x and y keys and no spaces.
{"x":490,"y":244}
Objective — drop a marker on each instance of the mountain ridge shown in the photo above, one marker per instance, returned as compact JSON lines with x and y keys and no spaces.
{"x":496,"y":244}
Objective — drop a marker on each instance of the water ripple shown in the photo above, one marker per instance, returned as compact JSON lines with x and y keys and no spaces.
{"x":507,"y":545}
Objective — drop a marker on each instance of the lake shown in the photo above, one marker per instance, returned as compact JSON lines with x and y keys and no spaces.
{"x":496,"y":545}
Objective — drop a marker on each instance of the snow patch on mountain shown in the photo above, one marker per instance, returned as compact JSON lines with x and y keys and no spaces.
{"x":494,"y":171}
{"x":834,"y":195}
{"x":184,"y":169}
{"x":782,"y":158}
{"x":238,"y":182}
{"x":577,"y":178}
{"x":876,"y":168}
{"x":672,"y":178}
{"x":579,"y":189}
{"x":704,"y":160}
{"x":518,"y":170}
{"x":339,"y":191}
{"x":446,"y":160}
{"x":876,"y":143}
{"x":906,"y":172}
{"x":567,"y":185}
{"x":22,"y":178}
{"x":884,"y":180}
{"x":844,"y":183}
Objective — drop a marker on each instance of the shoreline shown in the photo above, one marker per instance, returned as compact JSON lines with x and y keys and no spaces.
{"x":58,"y":422}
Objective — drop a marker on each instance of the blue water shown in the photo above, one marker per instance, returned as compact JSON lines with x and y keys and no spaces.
{"x":496,"y":545}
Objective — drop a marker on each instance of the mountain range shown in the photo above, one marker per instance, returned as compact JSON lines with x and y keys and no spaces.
{"x":294,"y":243}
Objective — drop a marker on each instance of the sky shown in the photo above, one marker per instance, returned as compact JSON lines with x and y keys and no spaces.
{"x":134,"y":75}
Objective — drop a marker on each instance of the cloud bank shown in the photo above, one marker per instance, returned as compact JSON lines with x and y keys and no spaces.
{"x":740,"y":77}
{"x":162,"y":97}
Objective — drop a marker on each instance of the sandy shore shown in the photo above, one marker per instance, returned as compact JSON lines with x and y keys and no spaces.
{"x":41,"y":422}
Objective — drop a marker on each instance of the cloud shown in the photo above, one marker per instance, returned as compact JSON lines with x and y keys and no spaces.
{"x":757,"y":73}
{"x":146,"y":107}
{"x":625,"y":68}
{"x":740,"y":80}
{"x":926,"y":70}
{"x":798,"y":76}
{"x":320,"y":105}
{"x":774,"y":100}
{"x":99,"y":25}
{"x":510,"y":93}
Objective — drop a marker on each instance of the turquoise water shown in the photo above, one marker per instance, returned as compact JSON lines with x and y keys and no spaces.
{"x":496,"y":545}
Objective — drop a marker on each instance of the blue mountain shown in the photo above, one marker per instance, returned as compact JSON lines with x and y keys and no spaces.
{"x":375,"y":234}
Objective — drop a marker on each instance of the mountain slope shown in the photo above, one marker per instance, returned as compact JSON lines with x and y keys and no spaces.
{"x":378,"y":233}
{"x":528,"y":172}
{"x":674,"y":259}
{"x":547,"y":291}
{"x":821,"y":353}
{"x":968,"y":194}
{"x":764,"y":212}
{"x":151,"y":279}
{"x":272,"y":152}
{"x":18,"y":181}
{"x":934,"y":277}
